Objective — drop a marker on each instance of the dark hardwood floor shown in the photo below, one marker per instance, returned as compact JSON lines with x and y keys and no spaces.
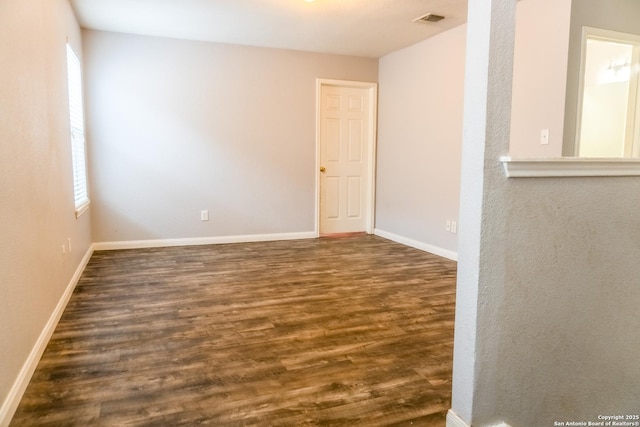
{"x":344,"y":331}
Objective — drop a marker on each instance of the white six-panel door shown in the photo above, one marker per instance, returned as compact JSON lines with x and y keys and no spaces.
{"x":345,"y":141}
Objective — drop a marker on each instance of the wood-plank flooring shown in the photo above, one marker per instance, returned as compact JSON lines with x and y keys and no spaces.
{"x":352,"y":331}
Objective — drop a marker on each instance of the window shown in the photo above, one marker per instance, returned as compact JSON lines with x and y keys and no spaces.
{"x":608,"y":124}
{"x":80,"y":188}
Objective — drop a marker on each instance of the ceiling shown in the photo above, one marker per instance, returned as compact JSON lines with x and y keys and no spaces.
{"x":369,"y":28}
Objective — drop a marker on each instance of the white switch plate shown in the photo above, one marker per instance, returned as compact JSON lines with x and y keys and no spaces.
{"x":544,"y":136}
{"x":204,"y":215}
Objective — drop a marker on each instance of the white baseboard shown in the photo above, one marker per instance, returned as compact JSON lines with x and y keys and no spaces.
{"x":453,"y":420}
{"x":418,"y":245}
{"x":138,"y":244}
{"x":12,"y":400}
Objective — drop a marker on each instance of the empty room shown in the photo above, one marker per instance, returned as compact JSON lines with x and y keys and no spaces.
{"x":329,"y":212}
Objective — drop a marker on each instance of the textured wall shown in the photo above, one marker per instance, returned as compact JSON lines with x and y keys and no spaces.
{"x":569,"y":330}
{"x":36,"y":201}
{"x":546,"y":316}
{"x":487,"y":109}
{"x":181,"y":126}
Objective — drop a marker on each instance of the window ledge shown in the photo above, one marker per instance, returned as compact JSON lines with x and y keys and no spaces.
{"x":82,"y":208}
{"x":569,"y":167}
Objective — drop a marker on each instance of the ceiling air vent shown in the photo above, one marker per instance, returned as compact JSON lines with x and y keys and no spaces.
{"x":429,"y":17}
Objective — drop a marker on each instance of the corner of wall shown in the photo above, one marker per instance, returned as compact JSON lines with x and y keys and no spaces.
{"x":453,"y":420}
{"x":12,"y":400}
{"x":445,"y":253}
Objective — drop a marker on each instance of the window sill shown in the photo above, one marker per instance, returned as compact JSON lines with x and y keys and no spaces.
{"x":82,"y":209}
{"x":569,"y":167}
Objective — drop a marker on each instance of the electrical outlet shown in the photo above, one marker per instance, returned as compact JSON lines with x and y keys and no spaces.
{"x":204,"y":215}
{"x":454,"y":227}
{"x":448,"y":225}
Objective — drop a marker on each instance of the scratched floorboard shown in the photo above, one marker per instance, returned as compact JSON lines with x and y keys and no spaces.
{"x":351,"y":331}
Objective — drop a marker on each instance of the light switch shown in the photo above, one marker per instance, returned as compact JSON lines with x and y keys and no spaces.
{"x":544,"y":136}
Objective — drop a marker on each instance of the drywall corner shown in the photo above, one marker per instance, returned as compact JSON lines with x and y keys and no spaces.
{"x":12,"y":400}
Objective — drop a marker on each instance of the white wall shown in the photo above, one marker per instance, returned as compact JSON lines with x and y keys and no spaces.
{"x":181,"y":126}
{"x":420,"y":120}
{"x":36,"y":200}
{"x":419,"y":139}
{"x":539,"y":77}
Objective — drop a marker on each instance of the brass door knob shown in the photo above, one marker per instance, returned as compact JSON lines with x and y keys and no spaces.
{"x":323,"y":169}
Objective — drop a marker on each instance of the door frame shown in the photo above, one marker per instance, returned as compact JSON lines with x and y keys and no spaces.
{"x":371,"y":145}
{"x":631,"y":145}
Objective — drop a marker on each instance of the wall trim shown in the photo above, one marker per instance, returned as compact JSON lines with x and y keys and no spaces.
{"x":453,"y":420}
{"x":569,"y":167}
{"x":11,"y":402}
{"x":157,"y":243}
{"x":418,"y":245}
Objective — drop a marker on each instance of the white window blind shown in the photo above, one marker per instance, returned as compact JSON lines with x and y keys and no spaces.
{"x":80,"y":188}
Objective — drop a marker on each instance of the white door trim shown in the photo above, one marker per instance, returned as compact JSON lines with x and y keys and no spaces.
{"x":372,"y":140}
